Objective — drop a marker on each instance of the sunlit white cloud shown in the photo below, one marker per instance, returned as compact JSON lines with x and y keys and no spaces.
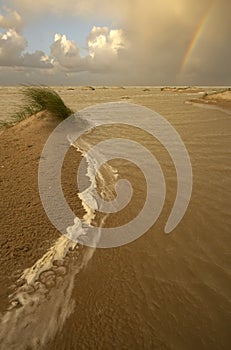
{"x":65,"y":52}
{"x":103,"y":46}
{"x":103,"y":38}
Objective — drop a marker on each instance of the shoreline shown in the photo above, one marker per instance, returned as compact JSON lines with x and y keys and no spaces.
{"x":219,"y":99}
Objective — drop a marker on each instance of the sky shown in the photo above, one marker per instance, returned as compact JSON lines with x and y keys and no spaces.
{"x":115,"y":42}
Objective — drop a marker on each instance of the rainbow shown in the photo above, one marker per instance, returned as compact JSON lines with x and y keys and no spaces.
{"x":196,"y":36}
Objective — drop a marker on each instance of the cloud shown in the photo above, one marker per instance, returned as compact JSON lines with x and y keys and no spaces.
{"x":72,"y":7}
{"x":12,"y":20}
{"x":37,"y":59}
{"x":103,"y":46}
{"x":160,"y":33}
{"x":12,"y":46}
{"x":147,"y":46}
{"x":53,"y":6}
{"x":103,"y":38}
{"x":65,"y":53}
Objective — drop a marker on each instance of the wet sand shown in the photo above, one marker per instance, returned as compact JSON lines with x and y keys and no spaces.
{"x":219,"y":99}
{"x":163,"y":292}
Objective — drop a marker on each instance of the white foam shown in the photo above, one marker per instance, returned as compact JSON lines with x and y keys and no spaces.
{"x":38,"y":312}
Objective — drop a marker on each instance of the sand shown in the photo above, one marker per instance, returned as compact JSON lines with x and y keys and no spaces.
{"x":183,"y":89}
{"x":163,"y":292}
{"x":26,"y":232}
{"x":218,"y":97}
{"x":221,"y":99}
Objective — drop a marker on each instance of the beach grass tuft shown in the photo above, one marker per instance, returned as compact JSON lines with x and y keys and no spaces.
{"x":39,"y":99}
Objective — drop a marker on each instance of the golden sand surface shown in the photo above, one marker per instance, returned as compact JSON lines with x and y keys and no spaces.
{"x":160,"y":291}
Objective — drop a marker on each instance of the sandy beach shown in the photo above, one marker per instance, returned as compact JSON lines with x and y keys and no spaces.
{"x":19,"y":191}
{"x":220,"y":99}
{"x":159,"y":292}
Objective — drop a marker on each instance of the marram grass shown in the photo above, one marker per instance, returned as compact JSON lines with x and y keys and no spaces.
{"x":39,"y":99}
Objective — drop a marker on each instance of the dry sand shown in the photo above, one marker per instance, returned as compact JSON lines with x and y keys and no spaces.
{"x":26,"y":232}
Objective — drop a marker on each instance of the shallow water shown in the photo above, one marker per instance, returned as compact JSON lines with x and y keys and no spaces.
{"x":160,"y":291}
